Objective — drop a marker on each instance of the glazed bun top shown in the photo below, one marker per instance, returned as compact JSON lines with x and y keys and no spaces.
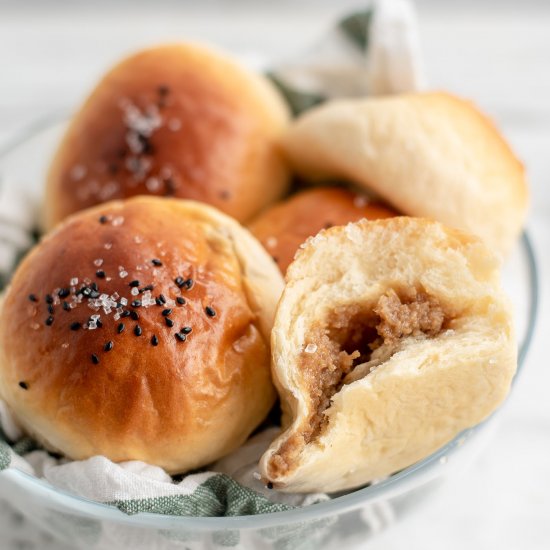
{"x":286,"y":225}
{"x":429,"y":155}
{"x":177,"y":120}
{"x":140,"y":330}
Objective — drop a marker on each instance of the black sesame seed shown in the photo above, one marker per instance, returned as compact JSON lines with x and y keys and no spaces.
{"x":162,"y":299}
{"x":154,"y":341}
{"x":103,"y":219}
{"x":209,"y":311}
{"x":181,"y":337}
{"x":95,"y":359}
{"x":146,"y":288}
{"x":133,"y":283}
{"x":108,"y":346}
{"x":120,"y":327}
{"x":180,"y":281}
{"x":269,"y":485}
{"x":136,"y":303}
{"x":64,"y":292}
{"x":158,"y":302}
{"x":94,"y":287}
{"x":50,"y":309}
{"x":24,"y":385}
{"x":134,"y":315}
{"x":33,"y":298}
{"x":180,"y":300}
{"x":163,"y":89}
{"x":98,"y":324}
{"x":125,"y":313}
{"x":74,"y":326}
{"x":186,"y":330}
{"x":49,"y":321}
{"x":189,"y":284}
{"x":66,"y":306}
{"x":49,"y":299}
{"x":166,"y":312}
{"x":100,"y":274}
{"x":156,"y":262}
{"x":169,"y":322}
{"x":137,"y":330}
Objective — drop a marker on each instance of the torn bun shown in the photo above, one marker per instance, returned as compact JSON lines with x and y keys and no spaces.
{"x":390,"y":338}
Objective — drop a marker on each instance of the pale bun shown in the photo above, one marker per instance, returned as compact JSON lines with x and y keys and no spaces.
{"x":423,"y":307}
{"x":140,"y":385}
{"x":178,"y":120}
{"x":430,"y":155}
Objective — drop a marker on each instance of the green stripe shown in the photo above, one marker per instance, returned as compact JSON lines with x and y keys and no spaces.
{"x":217,"y":496}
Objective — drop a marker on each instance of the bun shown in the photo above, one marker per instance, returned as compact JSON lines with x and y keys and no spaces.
{"x":95,"y":356}
{"x":390,"y":338}
{"x":178,"y":120}
{"x":286,"y":225}
{"x":428,"y":154}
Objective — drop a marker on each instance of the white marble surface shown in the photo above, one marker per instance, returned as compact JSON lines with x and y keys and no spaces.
{"x":499,"y":55}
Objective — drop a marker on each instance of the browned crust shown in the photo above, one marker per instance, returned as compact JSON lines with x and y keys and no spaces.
{"x":179,"y":404}
{"x":212,"y":135}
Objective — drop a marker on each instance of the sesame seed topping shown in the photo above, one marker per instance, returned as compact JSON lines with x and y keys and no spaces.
{"x":74,"y":326}
{"x":189,"y":283}
{"x":269,"y":485}
{"x":100,"y":274}
{"x":33,"y":298}
{"x":103,"y":219}
{"x":169,"y":322}
{"x":166,"y":312}
{"x":136,"y":303}
{"x":126,"y":313}
{"x":49,"y":321}
{"x":63,"y":292}
{"x":186,"y":330}
{"x":120,"y":327}
{"x":50,"y":309}
{"x":154,"y":340}
{"x":181,"y":337}
{"x":95,"y":359}
{"x":146,"y":288}
{"x":23,"y":385}
{"x":137,"y":330}
{"x":108,"y":346}
{"x":49,"y":299}
{"x":134,"y":315}
{"x":133,"y":283}
{"x":162,"y":299}
{"x":180,"y":300}
{"x":210,"y":311}
{"x":156,"y":262}
{"x":66,"y":306}
{"x":180,"y":281}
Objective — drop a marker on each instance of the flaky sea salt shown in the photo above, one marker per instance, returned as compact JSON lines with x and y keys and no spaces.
{"x":310,"y":348}
{"x":98,"y":262}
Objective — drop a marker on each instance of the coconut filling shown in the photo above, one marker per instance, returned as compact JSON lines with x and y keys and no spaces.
{"x":352,"y":342}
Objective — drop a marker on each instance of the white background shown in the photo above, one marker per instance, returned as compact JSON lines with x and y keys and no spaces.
{"x":497,"y":53}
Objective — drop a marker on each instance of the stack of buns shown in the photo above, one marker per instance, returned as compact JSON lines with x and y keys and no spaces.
{"x":158,"y":328}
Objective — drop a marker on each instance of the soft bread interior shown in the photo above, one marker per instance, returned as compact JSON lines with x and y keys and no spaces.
{"x":390,"y":338}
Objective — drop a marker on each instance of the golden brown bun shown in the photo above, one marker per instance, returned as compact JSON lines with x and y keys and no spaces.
{"x":428,"y":154}
{"x":178,"y":120}
{"x":391,"y":337}
{"x":285,"y":226}
{"x":178,"y":404}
